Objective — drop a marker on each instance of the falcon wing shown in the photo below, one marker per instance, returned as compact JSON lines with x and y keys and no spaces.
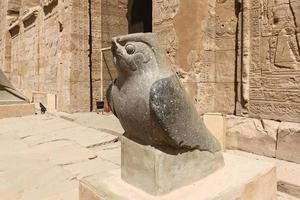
{"x":178,"y":118}
{"x":109,"y":97}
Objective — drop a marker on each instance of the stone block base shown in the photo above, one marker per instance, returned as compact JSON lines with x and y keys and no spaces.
{"x":157,"y":172}
{"x":264,"y":137}
{"x":16,"y":110}
{"x":251,"y":135}
{"x":215,"y":123}
{"x":241,"y":178}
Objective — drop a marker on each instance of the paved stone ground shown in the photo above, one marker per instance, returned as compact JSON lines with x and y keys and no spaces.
{"x":103,"y":122}
{"x":42,"y":157}
{"x":287,"y":172}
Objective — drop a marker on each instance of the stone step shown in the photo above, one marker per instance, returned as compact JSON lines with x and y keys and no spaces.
{"x":240,"y":178}
{"x":263,"y":137}
{"x":285,"y":196}
{"x":289,"y":188}
{"x":16,"y":110}
{"x":288,"y":174}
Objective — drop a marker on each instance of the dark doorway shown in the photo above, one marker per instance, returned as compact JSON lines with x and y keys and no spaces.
{"x":139,"y":16}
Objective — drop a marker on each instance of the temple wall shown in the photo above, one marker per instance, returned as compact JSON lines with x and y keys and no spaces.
{"x":201,"y":45}
{"x":273,"y":76}
{"x":108,"y":20}
{"x":46,"y":51}
{"x":240,"y":59}
{"x":233,"y":58}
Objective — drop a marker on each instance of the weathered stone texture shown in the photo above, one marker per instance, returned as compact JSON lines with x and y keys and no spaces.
{"x":45,"y":47}
{"x":46,"y":44}
{"x":108,"y":20}
{"x":264,"y":137}
{"x":233,"y":57}
{"x":246,"y":53}
{"x":241,"y":178}
{"x":288,"y":147}
{"x":251,"y":135}
{"x":202,"y":51}
{"x":157,"y":172}
{"x":274,"y":60}
{"x":16,"y":110}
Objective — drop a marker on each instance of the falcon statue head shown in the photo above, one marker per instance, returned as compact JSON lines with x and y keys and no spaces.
{"x":136,"y":52}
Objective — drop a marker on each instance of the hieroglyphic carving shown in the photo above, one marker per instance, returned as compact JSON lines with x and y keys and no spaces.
{"x":165,"y":10}
{"x":274,"y":79}
{"x":14,"y":29}
{"x":47,"y":2}
{"x":226,"y":27}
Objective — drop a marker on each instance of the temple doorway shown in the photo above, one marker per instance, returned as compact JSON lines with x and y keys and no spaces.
{"x":139,"y":16}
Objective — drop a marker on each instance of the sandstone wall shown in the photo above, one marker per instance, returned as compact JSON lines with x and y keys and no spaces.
{"x":200,"y":39}
{"x":108,"y":20}
{"x":235,"y":57}
{"x":52,"y":48}
{"x":239,"y":58}
{"x":9,"y":12}
{"x":45,"y":51}
{"x":271,"y":69}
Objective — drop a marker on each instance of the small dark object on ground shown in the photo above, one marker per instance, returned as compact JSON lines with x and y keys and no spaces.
{"x":100,"y":104}
{"x":43,"y":108}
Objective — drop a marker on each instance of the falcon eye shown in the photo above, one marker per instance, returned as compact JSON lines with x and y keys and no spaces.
{"x":130,"y":49}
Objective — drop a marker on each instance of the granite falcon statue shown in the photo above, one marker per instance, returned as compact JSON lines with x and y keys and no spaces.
{"x":150,"y":101}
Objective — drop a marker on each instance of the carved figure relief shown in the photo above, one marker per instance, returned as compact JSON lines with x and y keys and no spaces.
{"x":275,"y":61}
{"x":225,"y":27}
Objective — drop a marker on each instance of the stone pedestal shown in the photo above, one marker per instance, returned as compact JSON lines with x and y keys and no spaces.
{"x":241,"y":178}
{"x":157,"y":172}
{"x":16,"y":110}
{"x":148,"y":174}
{"x":215,"y":123}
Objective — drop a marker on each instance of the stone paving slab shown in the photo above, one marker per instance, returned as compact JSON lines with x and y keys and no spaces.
{"x":16,"y":125}
{"x":10,"y":144}
{"x":103,"y":122}
{"x":110,"y":152}
{"x":28,"y":126}
{"x":42,"y":157}
{"x":63,"y":152}
{"x":287,"y":172}
{"x":83,"y":136}
{"x":69,"y":195}
{"x":283,"y":196}
{"x":27,"y":178}
{"x":84,"y":169}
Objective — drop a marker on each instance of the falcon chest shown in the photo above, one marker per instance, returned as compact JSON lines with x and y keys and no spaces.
{"x":131,"y":102}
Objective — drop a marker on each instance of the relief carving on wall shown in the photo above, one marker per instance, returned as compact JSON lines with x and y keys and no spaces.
{"x":274,"y":90}
{"x":47,"y":2}
{"x":226,"y":27}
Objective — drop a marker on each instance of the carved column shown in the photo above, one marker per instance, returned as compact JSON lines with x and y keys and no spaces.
{"x":74,"y":89}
